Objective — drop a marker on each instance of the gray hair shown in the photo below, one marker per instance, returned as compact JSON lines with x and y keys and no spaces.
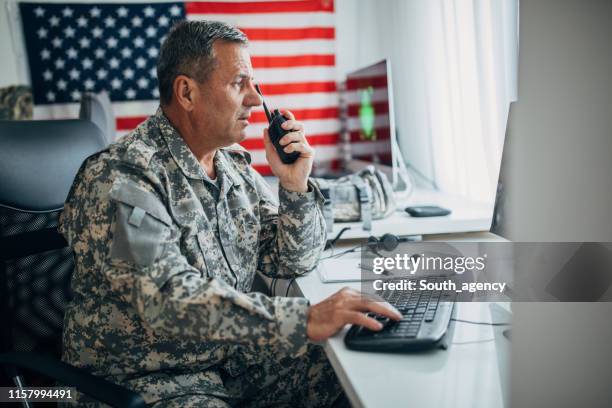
{"x":188,"y":50}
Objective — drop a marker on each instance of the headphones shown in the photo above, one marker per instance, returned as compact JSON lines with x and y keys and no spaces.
{"x":387,"y":242}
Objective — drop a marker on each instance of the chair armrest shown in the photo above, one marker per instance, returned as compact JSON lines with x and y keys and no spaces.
{"x":96,"y":387}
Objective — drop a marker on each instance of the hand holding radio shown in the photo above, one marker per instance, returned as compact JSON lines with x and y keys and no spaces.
{"x":287,"y":150}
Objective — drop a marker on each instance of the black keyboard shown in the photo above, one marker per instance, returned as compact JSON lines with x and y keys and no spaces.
{"x":425,"y":319}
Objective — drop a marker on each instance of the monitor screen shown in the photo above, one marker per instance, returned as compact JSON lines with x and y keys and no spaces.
{"x":370,"y":123}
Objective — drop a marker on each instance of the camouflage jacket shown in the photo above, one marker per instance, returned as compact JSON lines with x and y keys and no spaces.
{"x":165,"y":258}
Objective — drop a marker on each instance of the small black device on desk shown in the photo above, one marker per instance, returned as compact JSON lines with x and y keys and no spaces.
{"x":427,"y":211}
{"x":426,"y":316}
{"x":276,"y":132}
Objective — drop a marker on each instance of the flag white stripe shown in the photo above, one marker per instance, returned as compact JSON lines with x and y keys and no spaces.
{"x":271,"y":20}
{"x":294,"y":47}
{"x":311,"y":127}
{"x":302,"y":101}
{"x":56,"y":111}
{"x":295,"y":74}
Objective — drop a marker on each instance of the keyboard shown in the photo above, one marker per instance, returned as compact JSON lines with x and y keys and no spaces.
{"x":426,"y":316}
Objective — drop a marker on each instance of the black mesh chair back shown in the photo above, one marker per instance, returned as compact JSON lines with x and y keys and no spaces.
{"x":38,"y":162}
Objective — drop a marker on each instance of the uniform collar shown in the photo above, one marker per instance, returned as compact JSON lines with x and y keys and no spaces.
{"x":179,"y":150}
{"x":189,"y":164}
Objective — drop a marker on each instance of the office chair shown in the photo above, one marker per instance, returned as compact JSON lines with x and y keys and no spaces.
{"x":97,"y":108}
{"x":38,"y":162}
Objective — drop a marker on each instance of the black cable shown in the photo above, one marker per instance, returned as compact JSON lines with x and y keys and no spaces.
{"x":338,"y":255}
{"x":330,"y":243}
{"x":289,"y":286}
{"x":482,"y":323}
{"x":291,"y":280}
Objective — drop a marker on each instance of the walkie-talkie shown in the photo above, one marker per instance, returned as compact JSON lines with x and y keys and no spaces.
{"x":276,"y":132}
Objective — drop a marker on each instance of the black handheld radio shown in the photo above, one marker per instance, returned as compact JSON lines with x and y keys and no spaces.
{"x":276,"y":132}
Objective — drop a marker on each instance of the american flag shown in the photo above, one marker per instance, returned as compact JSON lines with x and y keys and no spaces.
{"x":74,"y":48}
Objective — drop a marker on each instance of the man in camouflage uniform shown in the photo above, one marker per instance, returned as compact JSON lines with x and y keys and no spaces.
{"x":168,"y":227}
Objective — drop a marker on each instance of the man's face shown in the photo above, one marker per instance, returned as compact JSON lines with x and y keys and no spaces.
{"x":226,"y":98}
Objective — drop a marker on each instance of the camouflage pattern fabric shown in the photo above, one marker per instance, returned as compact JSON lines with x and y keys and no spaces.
{"x":16,"y":103}
{"x":164,"y":261}
{"x":345,"y":197}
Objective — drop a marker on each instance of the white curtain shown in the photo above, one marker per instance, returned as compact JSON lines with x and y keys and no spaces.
{"x":470,"y":77}
{"x":454,"y":65}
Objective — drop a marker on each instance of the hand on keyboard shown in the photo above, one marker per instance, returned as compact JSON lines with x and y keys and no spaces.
{"x":347,"y":306}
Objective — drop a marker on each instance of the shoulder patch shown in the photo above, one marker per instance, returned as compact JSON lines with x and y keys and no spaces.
{"x":236,"y":150}
{"x":138,"y":154}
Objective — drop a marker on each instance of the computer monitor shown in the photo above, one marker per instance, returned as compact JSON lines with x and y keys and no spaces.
{"x":370,"y":122}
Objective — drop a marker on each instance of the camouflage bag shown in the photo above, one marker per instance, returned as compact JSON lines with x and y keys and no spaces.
{"x":16,"y":103}
{"x":366,"y":195}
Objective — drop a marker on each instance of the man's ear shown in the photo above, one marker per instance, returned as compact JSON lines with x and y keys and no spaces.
{"x":184,"y":89}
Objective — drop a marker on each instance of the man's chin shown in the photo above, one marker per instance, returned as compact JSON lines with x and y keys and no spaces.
{"x":236,"y":138}
{"x":242,"y":134}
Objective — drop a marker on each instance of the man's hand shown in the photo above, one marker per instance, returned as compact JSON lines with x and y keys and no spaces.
{"x":346,"y":306}
{"x":292,"y":177}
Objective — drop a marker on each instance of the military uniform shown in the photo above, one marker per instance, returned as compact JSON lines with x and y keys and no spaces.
{"x":164,"y":260}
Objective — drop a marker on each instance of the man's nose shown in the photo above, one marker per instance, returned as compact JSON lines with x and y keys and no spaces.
{"x":252,"y":98}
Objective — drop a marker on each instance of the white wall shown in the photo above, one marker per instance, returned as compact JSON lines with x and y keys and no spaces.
{"x":9,"y":73}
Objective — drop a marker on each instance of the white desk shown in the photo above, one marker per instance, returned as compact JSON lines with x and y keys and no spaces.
{"x":465,"y":375}
{"x":466,"y":216}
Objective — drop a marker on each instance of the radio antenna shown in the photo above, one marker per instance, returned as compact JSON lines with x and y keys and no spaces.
{"x":264,"y":104}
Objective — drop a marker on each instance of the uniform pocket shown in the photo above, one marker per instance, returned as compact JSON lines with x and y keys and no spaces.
{"x":142,"y":225}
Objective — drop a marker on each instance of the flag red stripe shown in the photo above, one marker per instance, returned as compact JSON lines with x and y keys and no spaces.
{"x":129,"y":122}
{"x":259,"y":7}
{"x":381,"y":134}
{"x":300,"y":114}
{"x":379,"y":107}
{"x":283,"y":34}
{"x":298,"y":87}
{"x":314,"y":140}
{"x":373,"y":81}
{"x":262,"y":169}
{"x":293,"y":61}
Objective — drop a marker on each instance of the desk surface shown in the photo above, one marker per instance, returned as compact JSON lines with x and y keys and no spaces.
{"x":465,"y":375}
{"x":466,"y":216}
